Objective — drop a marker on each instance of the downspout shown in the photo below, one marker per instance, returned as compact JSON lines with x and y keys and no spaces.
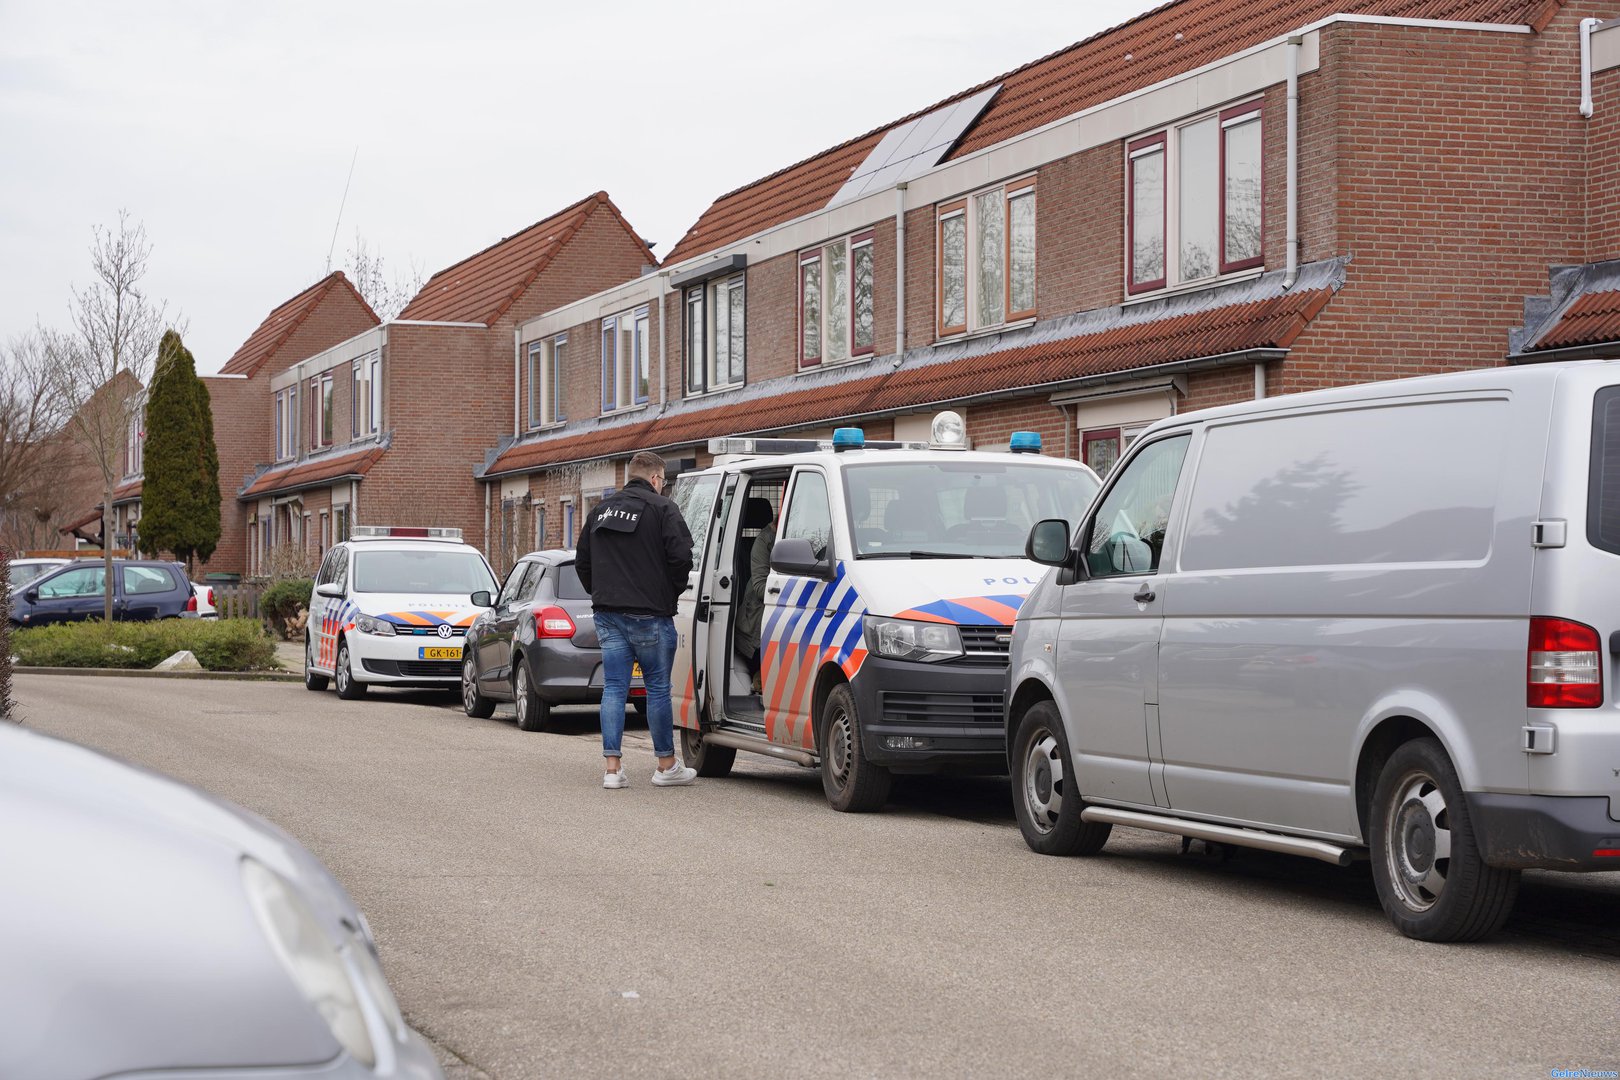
{"x":1259,"y":380}
{"x":486,"y":519}
{"x":1587,"y":26}
{"x":1068,"y":431}
{"x":899,"y":271}
{"x":1295,"y":42}
{"x":517,"y":381}
{"x":663,"y":340}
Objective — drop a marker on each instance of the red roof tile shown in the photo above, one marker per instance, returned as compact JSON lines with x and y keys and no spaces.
{"x":128,"y":491}
{"x":481,"y":287}
{"x":1269,"y":323}
{"x":280,"y":323}
{"x":314,"y":472}
{"x":1171,"y":40}
{"x":1591,"y":320}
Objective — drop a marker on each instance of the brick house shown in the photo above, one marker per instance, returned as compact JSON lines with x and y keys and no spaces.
{"x":385,"y":425}
{"x":1212,"y":202}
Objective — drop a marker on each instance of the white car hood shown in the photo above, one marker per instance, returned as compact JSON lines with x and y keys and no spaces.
{"x":973,"y":592}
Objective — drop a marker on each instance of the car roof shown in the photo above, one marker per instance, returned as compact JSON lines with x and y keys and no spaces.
{"x":552,"y":556}
{"x":399,"y":543}
{"x":836,"y":459}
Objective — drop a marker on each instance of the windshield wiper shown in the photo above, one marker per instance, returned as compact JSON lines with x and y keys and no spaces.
{"x":921,"y":555}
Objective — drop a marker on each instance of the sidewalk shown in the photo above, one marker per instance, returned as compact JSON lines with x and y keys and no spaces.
{"x":291,"y":655}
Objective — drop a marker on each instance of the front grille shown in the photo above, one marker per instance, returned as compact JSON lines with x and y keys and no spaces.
{"x":428,"y":631}
{"x":418,"y":669}
{"x":985,"y":644}
{"x":959,"y":710}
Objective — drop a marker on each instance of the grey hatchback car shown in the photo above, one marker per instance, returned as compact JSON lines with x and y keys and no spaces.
{"x":536,"y":644}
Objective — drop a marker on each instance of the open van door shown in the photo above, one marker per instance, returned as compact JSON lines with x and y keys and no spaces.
{"x":695,"y":494}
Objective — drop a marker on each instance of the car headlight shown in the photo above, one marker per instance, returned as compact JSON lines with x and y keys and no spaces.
{"x":370,"y":625}
{"x":903,"y":639}
{"x":315,"y":963}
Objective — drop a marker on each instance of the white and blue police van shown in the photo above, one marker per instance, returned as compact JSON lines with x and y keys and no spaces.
{"x":391,"y":606}
{"x":884,"y":609}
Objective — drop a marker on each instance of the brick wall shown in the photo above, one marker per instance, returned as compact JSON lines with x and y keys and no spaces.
{"x":1079,"y":233}
{"x":243,"y":437}
{"x":1603,"y":168}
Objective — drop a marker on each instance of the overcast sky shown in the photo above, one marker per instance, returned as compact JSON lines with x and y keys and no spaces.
{"x":228,"y":128}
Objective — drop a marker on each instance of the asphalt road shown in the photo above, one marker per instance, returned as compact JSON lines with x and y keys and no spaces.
{"x":535,"y":925}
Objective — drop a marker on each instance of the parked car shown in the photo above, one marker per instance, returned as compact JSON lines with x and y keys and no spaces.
{"x":25,"y":570}
{"x":149,"y":928}
{"x":536,"y":646}
{"x":142,"y":590}
{"x":202,"y":605}
{"x":1374,"y":620}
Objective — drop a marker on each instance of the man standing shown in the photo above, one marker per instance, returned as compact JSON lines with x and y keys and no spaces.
{"x":634,"y":555}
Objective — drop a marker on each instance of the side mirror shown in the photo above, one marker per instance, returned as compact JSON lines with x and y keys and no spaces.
{"x":332,"y":590}
{"x":1048,"y":543}
{"x":796,"y":556}
{"x":32,"y":596}
{"x":481,"y":598}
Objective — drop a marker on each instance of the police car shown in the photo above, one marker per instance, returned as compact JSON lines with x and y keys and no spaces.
{"x":884,"y":610}
{"x":391,"y":607}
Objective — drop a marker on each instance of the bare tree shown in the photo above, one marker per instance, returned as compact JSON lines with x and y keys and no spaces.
{"x":102,"y":365}
{"x":37,"y":463}
{"x":386,"y":294}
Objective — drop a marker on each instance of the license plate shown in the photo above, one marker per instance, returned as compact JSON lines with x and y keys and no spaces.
{"x":635,"y":671}
{"x":439,"y":652}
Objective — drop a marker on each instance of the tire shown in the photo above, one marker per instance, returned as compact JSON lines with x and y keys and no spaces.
{"x":477,"y":705}
{"x":1418,"y":812}
{"x":348,"y":688}
{"x":533,"y":714}
{"x":312,"y":681}
{"x":1046,"y":795}
{"x":853,"y":784}
{"x":704,"y":756}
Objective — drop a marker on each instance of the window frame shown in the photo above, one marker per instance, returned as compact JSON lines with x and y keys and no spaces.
{"x":957,"y":208}
{"x":966,"y":208}
{"x":626,"y":329}
{"x":370,"y":367}
{"x":1135,"y":151}
{"x":820,"y":257}
{"x":701,"y":371}
{"x":1237,"y":116}
{"x":286,"y":423}
{"x":321,"y":423}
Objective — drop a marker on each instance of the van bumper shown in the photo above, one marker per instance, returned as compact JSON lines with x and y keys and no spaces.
{"x":924,"y":718}
{"x":1545,"y":832}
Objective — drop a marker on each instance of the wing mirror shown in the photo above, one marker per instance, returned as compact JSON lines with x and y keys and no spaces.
{"x":795,"y":556}
{"x":32,"y":596}
{"x":481,"y":598}
{"x":331,"y":590}
{"x":1048,"y":543}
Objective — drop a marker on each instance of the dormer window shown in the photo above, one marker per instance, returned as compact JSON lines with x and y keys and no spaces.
{"x":987,"y":258}
{"x":836,"y":320}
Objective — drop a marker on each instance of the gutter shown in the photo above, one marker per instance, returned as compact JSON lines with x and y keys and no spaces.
{"x":1603,"y":350}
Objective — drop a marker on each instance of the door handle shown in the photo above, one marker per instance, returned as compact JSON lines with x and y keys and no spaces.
{"x":1144,"y":595}
{"x":774,"y":590}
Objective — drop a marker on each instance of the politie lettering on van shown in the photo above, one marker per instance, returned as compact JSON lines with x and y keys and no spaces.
{"x":1381,"y":620}
{"x":852,"y":602}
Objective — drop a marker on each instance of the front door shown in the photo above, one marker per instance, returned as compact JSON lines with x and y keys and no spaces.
{"x":1108,"y":645}
{"x":695,"y":495}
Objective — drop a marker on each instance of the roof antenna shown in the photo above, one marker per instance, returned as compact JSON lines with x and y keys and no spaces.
{"x":341,"y":204}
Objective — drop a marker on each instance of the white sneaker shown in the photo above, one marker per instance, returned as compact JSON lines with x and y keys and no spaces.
{"x":614,"y":780}
{"x":674,"y":776}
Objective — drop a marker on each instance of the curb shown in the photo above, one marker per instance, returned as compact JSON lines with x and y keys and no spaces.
{"x":137,"y":673}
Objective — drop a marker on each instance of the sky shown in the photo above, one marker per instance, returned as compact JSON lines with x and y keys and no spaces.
{"x":229,"y":129}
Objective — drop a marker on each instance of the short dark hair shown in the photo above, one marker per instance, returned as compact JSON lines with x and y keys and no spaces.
{"x":646,"y":465}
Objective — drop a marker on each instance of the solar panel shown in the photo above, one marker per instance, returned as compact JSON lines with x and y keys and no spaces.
{"x":912,"y":148}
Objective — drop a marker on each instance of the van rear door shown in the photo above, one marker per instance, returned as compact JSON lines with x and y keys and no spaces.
{"x":695,"y":494}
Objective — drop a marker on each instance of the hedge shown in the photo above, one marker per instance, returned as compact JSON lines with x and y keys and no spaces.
{"x":281,"y":602}
{"x":219,"y":645}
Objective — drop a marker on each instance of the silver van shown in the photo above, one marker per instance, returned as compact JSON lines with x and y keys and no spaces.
{"x":1376,"y":621}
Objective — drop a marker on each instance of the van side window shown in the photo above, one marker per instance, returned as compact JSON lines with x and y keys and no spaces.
{"x":326,"y":568}
{"x":1127,"y":533}
{"x":694,"y":498}
{"x":807,"y":514}
{"x":1603,"y":485}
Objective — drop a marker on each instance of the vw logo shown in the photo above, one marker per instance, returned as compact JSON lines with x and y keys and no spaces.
{"x":444,"y":630}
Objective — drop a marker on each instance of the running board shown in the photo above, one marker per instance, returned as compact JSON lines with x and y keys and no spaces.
{"x":1223,"y":834}
{"x":760,"y":746}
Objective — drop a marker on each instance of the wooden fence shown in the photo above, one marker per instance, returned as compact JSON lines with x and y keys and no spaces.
{"x":239,"y":601}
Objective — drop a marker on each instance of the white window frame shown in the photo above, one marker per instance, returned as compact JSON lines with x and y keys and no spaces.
{"x":320,"y":411}
{"x":286,"y":406}
{"x":365,"y":409}
{"x":625,"y":342}
{"x":702,"y":330}
{"x":819,"y":261}
{"x":135,"y":439}
{"x":546,"y":360}
{"x":967,"y":209}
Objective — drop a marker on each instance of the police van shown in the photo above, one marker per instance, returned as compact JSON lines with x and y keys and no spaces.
{"x":877,"y":608}
{"x":391,"y":606}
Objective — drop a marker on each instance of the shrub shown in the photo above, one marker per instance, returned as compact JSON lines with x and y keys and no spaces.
{"x":282,"y":602}
{"x":219,"y":645}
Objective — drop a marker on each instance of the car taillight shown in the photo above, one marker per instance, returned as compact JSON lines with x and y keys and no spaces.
{"x":553,"y":622}
{"x":191,"y":604}
{"x":208,"y":595}
{"x":1565,"y":665}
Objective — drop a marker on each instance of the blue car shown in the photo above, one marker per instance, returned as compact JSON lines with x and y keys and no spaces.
{"x":142,"y":590}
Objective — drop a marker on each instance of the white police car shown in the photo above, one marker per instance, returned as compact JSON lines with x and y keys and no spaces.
{"x":391,"y":607}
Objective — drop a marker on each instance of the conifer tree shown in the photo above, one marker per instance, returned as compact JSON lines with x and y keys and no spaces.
{"x":180,"y":491}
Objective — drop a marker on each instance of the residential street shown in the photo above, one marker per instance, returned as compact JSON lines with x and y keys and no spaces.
{"x":535,"y":925}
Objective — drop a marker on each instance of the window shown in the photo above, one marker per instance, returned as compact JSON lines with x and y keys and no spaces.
{"x":320,"y":411}
{"x":808,"y":516}
{"x":1127,"y":533}
{"x":694,"y":497}
{"x":148,"y":579}
{"x":135,"y":441}
{"x":286,"y":423}
{"x":540,"y":526}
{"x":715,"y":335}
{"x":1100,"y":449}
{"x":835,"y":301}
{"x":340,"y":524}
{"x":545,"y":381}
{"x":987,"y":258}
{"x":365,"y":405}
{"x":624,"y":360}
{"x":80,"y":581}
{"x":326,"y":531}
{"x":514,"y":580}
{"x":1194,"y":200}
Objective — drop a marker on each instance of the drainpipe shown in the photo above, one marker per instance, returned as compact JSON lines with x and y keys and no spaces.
{"x":1295,"y":42}
{"x":1068,"y":432}
{"x":1587,"y":26}
{"x":486,"y":519}
{"x":899,"y":271}
{"x":1259,"y":380}
{"x":517,"y":381}
{"x":663,"y":340}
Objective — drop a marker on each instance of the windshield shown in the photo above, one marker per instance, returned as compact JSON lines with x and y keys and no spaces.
{"x":23,"y":573}
{"x":459,"y":572}
{"x":958,"y":509}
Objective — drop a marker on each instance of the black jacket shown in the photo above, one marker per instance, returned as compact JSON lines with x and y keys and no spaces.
{"x":635,"y":552}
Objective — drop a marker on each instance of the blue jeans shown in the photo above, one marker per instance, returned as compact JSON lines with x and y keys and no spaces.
{"x":627,"y":640}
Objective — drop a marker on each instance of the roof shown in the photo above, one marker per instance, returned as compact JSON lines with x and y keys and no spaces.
{"x":1581,"y":311}
{"x":481,"y":287}
{"x":1224,"y":322}
{"x":1591,"y":320}
{"x":128,"y":491}
{"x":1168,"y":41}
{"x":310,"y":473}
{"x":91,"y":518}
{"x":279,"y":325}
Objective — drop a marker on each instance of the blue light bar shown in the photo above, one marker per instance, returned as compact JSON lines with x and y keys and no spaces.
{"x":1025,"y":442}
{"x":848,"y":438}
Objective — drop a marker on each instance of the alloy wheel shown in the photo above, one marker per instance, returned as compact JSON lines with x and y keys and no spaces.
{"x":1043,"y":782}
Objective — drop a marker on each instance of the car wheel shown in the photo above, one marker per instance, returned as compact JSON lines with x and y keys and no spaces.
{"x":532,"y":713}
{"x":853,"y":784}
{"x":1046,"y":795}
{"x":312,"y":681}
{"x":348,"y":687}
{"x":707,"y":758}
{"x":1432,"y":881}
{"x":477,"y":705}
